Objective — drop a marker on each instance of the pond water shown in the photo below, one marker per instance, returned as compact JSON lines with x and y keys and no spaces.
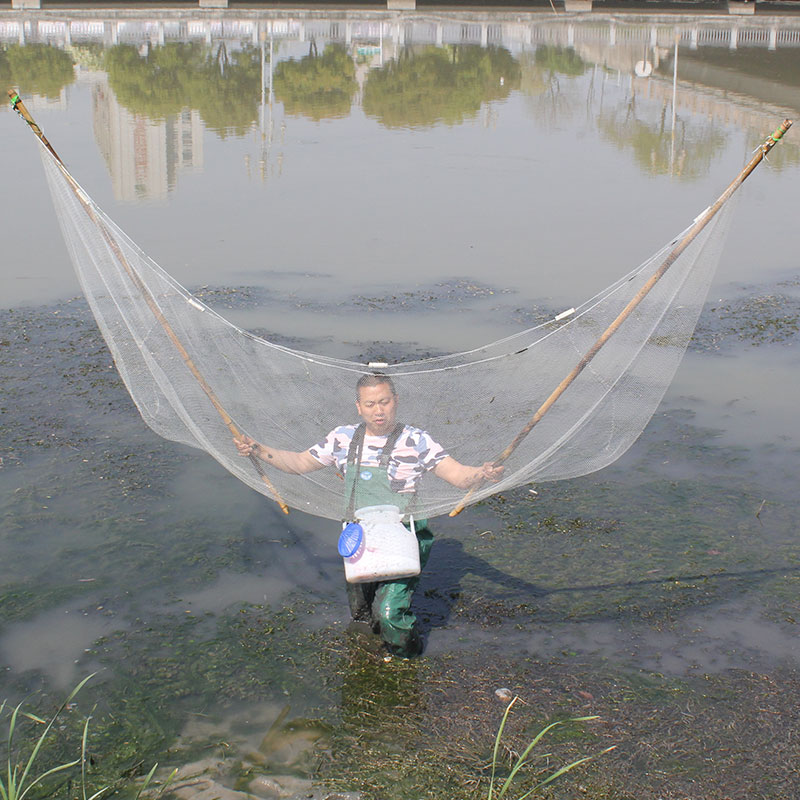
{"x":463,"y":169}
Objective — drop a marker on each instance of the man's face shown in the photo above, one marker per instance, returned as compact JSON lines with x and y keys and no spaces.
{"x":377,"y":406}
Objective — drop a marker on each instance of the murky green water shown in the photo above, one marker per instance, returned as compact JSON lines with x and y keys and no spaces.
{"x":426,"y":182}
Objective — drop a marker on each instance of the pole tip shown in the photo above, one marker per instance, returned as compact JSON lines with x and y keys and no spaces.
{"x":781,"y":129}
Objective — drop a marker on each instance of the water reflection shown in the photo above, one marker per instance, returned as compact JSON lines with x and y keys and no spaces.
{"x":439,"y":85}
{"x":159,"y":84}
{"x":53,"y":642}
{"x":685,"y":152}
{"x":319,"y":85}
{"x":41,"y":68}
{"x":144,"y":156}
{"x":550,"y":60}
{"x":549,"y":86}
{"x":222,"y":84}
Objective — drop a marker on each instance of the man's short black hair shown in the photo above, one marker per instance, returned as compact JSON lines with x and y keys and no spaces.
{"x":373,"y":379}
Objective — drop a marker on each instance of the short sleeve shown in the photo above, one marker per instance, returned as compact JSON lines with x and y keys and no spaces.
{"x":332,"y":450}
{"x":417,"y":448}
{"x":431,"y":452}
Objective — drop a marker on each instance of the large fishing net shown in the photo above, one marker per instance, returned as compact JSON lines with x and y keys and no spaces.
{"x":195,"y":377}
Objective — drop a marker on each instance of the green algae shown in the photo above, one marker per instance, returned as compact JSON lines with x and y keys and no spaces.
{"x":758,"y":319}
{"x":642,"y":545}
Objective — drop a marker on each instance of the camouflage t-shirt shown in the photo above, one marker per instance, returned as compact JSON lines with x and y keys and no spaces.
{"x":414,"y":454}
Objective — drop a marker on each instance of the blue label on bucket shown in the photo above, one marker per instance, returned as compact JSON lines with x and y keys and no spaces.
{"x":350,"y":539}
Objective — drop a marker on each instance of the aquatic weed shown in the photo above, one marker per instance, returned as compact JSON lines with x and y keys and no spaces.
{"x":524,"y":759}
{"x":19,"y":781}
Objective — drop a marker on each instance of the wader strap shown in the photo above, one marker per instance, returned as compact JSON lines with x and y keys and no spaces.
{"x":354,"y":459}
{"x":356,"y":444}
{"x":391,"y":442}
{"x":386,"y":454}
{"x":356,"y":450}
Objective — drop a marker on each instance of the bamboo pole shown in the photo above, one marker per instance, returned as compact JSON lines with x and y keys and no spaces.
{"x":698,"y":226}
{"x":19,"y":107}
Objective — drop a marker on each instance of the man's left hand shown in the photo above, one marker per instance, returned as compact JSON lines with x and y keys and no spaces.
{"x":491,"y":472}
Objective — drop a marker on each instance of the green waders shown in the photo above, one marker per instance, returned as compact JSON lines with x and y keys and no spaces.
{"x":386,"y":605}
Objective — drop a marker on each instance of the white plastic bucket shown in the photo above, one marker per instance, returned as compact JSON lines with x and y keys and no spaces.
{"x":388,"y":550}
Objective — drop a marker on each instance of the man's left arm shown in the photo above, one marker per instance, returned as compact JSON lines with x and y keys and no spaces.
{"x":465,"y":477}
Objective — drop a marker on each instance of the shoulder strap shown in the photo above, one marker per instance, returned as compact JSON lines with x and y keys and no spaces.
{"x":391,"y":442}
{"x":354,"y":460}
{"x":356,"y":444}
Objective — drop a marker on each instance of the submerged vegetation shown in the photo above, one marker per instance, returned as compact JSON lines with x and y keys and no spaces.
{"x":24,"y":774}
{"x":527,"y":757}
{"x":762,"y":319}
{"x":43,"y":772}
{"x":550,"y":594}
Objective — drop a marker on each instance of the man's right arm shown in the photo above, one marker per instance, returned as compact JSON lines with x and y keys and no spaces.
{"x":285,"y":460}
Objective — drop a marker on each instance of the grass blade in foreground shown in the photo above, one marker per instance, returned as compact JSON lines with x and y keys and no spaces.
{"x":522,"y":760}
{"x":17,"y":786}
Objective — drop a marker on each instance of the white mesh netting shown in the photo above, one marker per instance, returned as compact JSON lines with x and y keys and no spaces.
{"x":473,"y":403}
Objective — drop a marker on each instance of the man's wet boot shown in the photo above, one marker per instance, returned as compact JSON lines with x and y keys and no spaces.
{"x":412,"y":647}
{"x":415,"y":644}
{"x":360,"y":597}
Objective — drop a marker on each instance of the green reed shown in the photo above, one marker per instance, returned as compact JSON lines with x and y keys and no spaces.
{"x":21,"y":776}
{"x":524,"y":759}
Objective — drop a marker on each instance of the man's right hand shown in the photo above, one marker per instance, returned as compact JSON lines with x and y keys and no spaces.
{"x":285,"y":460}
{"x":245,"y":445}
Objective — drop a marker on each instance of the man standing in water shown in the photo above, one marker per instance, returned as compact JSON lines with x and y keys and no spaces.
{"x":382,"y":461}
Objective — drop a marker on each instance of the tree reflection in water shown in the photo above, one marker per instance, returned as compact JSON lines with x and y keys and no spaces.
{"x":36,"y":68}
{"x":687,"y":152}
{"x":317,"y":86}
{"x":421,"y":88}
{"x":439,"y":85}
{"x":541,"y":80}
{"x":224,"y":88}
{"x":424,"y":86}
